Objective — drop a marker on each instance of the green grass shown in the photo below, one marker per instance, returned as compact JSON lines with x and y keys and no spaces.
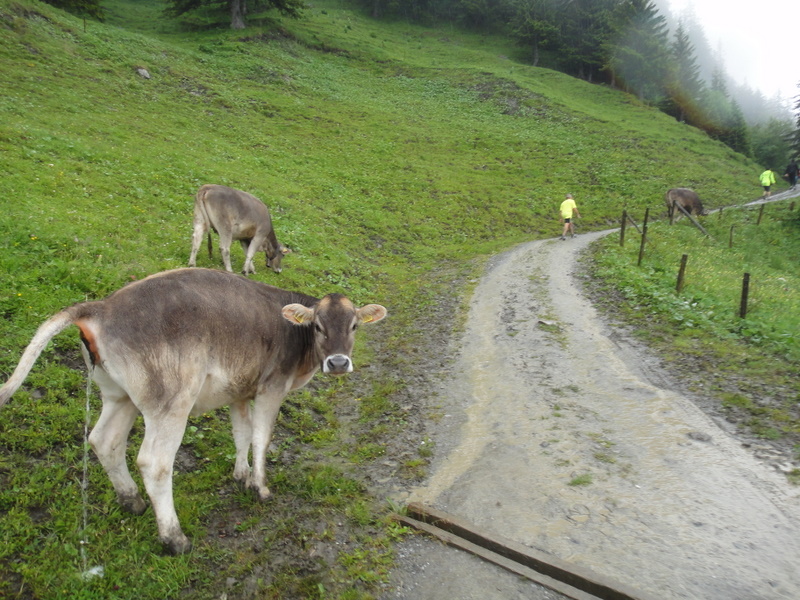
{"x":750,"y":363}
{"x":394,"y":159}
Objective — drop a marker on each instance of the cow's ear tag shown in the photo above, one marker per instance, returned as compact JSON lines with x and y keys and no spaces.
{"x":296,"y":313}
{"x":371,"y":313}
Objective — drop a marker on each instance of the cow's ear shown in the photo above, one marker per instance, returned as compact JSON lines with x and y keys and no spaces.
{"x":285,"y":250}
{"x":297,"y":314}
{"x":371,"y":313}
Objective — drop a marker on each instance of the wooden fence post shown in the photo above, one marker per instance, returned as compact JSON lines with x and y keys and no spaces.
{"x":644,"y":236}
{"x":745,"y":293}
{"x":720,"y":212}
{"x":681,"y":273}
{"x":760,"y":214}
{"x":622,"y":228}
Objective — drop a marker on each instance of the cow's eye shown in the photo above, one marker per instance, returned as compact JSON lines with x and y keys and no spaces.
{"x":318,"y":329}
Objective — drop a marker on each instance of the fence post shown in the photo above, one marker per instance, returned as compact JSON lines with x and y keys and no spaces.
{"x":720,"y":212}
{"x":745,"y":292}
{"x":791,"y":206}
{"x":760,"y":214}
{"x":644,"y":236}
{"x":681,"y":273}
{"x":730,"y":238}
{"x":622,"y":229}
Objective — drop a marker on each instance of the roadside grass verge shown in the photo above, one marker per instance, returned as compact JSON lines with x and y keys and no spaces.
{"x":749,"y":364}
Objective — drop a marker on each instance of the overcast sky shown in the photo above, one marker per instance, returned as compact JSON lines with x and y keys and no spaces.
{"x":759,"y":41}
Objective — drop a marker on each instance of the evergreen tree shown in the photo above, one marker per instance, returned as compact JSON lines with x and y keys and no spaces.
{"x":638,"y":53}
{"x":724,"y":119}
{"x":685,"y":87}
{"x":237,"y":9}
{"x":771,"y":142}
{"x":82,"y":8}
{"x":533,"y":24}
{"x":794,"y":138}
{"x":585,"y":32}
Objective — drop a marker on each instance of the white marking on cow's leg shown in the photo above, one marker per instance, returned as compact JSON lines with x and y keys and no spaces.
{"x":109,"y":440}
{"x":162,"y":438}
{"x":265,"y":412}
{"x":242,"y":425}
{"x":225,"y":241}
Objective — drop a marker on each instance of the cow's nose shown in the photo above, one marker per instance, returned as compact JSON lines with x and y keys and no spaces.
{"x":337,"y":364}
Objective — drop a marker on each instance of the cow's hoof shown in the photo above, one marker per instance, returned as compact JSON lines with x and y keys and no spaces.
{"x":178,"y":545}
{"x":263,"y":493}
{"x":134,"y":504}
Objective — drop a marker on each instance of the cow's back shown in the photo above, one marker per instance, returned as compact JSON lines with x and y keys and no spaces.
{"x":197,"y":319}
{"x":233,"y":210}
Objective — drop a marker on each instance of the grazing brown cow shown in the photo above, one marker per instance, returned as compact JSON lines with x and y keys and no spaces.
{"x":235,"y":215}
{"x":686,"y":199}
{"x":188,"y":341}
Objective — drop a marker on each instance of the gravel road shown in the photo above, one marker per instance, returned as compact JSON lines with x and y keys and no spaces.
{"x":559,"y":433}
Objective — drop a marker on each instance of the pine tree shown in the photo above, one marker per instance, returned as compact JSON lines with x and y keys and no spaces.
{"x":638,"y":54}
{"x":236,"y":9}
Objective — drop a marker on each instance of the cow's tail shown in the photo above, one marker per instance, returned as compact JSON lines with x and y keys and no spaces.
{"x":46,"y":332}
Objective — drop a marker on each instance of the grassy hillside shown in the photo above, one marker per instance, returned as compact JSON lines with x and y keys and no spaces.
{"x":394,"y":160}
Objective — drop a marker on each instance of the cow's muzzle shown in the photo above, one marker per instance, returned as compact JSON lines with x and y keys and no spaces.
{"x":337,"y":364}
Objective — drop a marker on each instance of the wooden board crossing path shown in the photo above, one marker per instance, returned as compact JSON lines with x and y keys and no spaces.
{"x":548,"y":571}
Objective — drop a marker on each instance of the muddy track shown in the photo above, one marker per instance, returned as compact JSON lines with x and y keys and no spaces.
{"x":560,"y":434}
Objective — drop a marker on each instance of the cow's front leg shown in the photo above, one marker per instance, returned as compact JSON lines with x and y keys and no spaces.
{"x":248,"y":247}
{"x":242,"y":425}
{"x":265,"y":412}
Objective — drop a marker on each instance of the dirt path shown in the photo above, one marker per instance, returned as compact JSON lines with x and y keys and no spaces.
{"x":559,"y":434}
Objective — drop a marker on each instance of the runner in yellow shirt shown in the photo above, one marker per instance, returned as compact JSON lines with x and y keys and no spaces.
{"x":568,"y":211}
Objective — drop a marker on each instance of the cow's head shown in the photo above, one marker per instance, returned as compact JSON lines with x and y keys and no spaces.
{"x":275,"y":256}
{"x":335,"y":320}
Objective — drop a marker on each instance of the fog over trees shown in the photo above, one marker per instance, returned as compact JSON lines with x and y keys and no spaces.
{"x":638,"y":46}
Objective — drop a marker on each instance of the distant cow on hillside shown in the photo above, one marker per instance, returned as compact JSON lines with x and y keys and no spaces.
{"x":235,"y":215}
{"x":686,"y":199}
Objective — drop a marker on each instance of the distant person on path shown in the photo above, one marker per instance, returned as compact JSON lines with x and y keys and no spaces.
{"x":791,"y":173}
{"x":767,"y":180}
{"x":568,"y":211}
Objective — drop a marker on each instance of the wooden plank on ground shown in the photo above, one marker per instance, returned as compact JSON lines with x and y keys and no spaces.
{"x":458,"y":542}
{"x":575,"y":576}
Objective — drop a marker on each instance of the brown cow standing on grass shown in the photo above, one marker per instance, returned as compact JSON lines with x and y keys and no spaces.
{"x":189,"y":341}
{"x":235,"y":215}
{"x":686,"y":199}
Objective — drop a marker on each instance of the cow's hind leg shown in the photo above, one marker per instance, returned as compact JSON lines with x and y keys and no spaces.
{"x":199,"y":230}
{"x":109,"y":440}
{"x":163,"y":434}
{"x":225,"y":240}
